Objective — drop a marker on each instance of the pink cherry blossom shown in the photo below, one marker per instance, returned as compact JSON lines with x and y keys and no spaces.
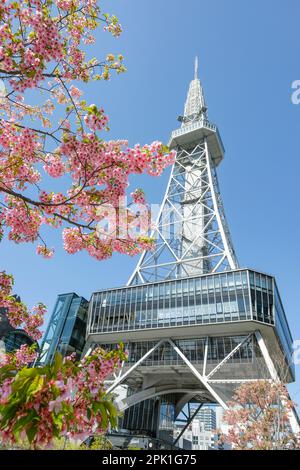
{"x":44,"y":251}
{"x":54,"y":166}
{"x":17,"y":313}
{"x":265,"y":424}
{"x":70,"y":395}
{"x":75,"y":92}
{"x":58,"y":171}
{"x":138,"y":196}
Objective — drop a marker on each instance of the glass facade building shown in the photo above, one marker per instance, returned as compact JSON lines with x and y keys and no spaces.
{"x":146,"y":415}
{"x":207,"y":317}
{"x":196,"y":304}
{"x":242,"y":295}
{"x":66,"y":329}
{"x":207,"y":416}
{"x":218,"y":348}
{"x":16,"y":338}
{"x":13,"y":338}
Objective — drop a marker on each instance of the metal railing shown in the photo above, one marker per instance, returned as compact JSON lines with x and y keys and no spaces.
{"x":193,"y":126}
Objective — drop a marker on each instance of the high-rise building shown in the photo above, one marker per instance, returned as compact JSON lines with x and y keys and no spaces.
{"x":201,"y":431}
{"x":196,"y":325}
{"x":195,"y":434}
{"x":207,"y":416}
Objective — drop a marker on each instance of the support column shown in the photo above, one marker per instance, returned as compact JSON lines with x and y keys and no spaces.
{"x":294,"y":420}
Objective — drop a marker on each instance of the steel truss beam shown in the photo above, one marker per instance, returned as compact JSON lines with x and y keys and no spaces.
{"x":197,"y":374}
{"x":229,"y":356}
{"x":206,"y":380}
{"x":121,"y":379}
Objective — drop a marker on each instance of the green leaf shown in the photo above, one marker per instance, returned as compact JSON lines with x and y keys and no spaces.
{"x":7,"y":414}
{"x":58,"y":362}
{"x":22,"y":422}
{"x":58,"y":421}
{"x":111,"y":412}
{"x":35,"y":386}
{"x":31,"y":432}
{"x":28,"y":372}
{"x":102,"y":410}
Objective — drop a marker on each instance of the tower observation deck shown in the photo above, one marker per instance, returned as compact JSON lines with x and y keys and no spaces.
{"x":196,"y":325}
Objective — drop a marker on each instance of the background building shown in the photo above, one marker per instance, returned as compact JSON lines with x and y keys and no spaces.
{"x":197,"y":435}
{"x":207,"y":417}
{"x":12,"y":338}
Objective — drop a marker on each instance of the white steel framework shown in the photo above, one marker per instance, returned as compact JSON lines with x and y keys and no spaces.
{"x":207,"y":382}
{"x":191,"y":233}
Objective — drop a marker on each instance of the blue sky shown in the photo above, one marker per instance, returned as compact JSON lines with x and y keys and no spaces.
{"x":248,"y":58}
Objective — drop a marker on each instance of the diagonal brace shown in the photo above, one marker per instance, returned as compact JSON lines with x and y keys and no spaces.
{"x":202,"y":379}
{"x":131,"y":369}
{"x":228,"y":356}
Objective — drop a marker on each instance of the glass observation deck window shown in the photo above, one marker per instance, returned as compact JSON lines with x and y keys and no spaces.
{"x":214,"y":298}
{"x":239,"y":295}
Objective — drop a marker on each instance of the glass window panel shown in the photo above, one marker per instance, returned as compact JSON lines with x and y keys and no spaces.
{"x":257,"y":280}
{"x":211,"y":283}
{"x":230,"y":280}
{"x":224,"y":280}
{"x":217,"y":281}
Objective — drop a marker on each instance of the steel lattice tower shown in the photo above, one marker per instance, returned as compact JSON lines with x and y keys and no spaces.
{"x":192,"y":235}
{"x":195,"y":324}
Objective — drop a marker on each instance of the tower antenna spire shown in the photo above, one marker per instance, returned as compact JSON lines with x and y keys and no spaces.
{"x":195,"y":106}
{"x":196,"y":68}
